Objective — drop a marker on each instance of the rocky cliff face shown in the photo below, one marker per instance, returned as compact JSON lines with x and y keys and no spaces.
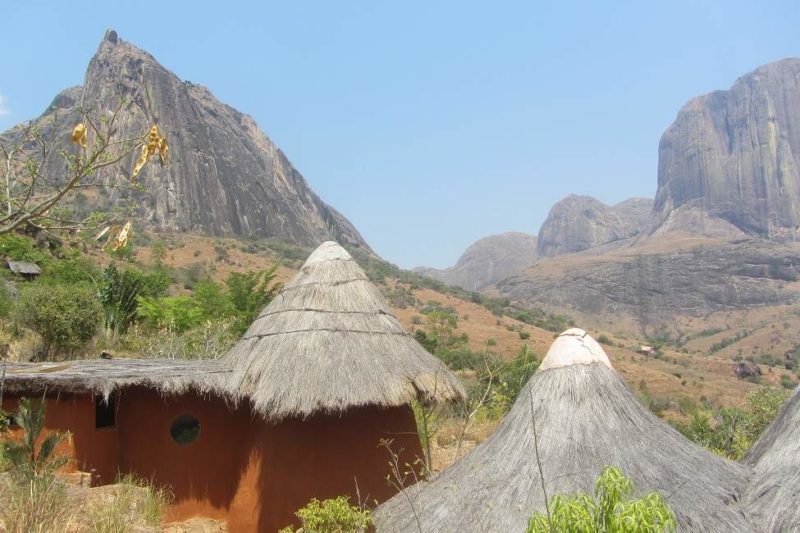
{"x":654,"y":286}
{"x":487,"y":261}
{"x":225,"y":176}
{"x":577,"y":223}
{"x":730,"y":163}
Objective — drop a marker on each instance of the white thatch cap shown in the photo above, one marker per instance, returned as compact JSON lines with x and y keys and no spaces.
{"x":329,"y":342}
{"x":574,"y":347}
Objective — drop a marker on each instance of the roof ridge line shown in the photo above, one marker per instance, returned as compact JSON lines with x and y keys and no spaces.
{"x":329,"y":330}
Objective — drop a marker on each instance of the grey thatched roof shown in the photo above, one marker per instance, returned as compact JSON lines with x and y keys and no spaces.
{"x":329,"y":342}
{"x":103,"y":376}
{"x":24,"y":267}
{"x":586,"y":418}
{"x":773,"y":494}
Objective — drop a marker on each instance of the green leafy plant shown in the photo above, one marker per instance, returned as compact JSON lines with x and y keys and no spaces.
{"x":66,"y":317}
{"x":250,"y":292}
{"x":119,"y":292}
{"x":178,"y":313}
{"x":611,"y":510}
{"x":332,"y":516}
{"x":731,"y":431}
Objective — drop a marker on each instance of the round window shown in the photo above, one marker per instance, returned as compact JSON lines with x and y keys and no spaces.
{"x":185,"y":429}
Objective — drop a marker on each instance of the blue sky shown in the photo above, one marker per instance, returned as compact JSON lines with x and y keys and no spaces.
{"x":428,"y":124}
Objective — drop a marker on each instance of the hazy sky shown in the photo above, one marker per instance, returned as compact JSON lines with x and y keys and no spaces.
{"x":428,"y":124}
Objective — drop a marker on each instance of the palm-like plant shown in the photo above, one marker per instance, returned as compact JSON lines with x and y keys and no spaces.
{"x":25,"y":461}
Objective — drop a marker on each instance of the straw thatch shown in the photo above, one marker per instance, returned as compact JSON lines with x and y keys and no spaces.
{"x":773,"y":494}
{"x":328,"y":342}
{"x":102,"y":377}
{"x":585,"y":418}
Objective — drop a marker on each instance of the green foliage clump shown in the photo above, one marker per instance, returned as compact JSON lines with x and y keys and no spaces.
{"x":66,"y":317}
{"x":119,"y":292}
{"x":175,"y":313}
{"x":20,"y":248}
{"x":611,"y":510}
{"x":335,"y":515}
{"x":74,"y":269}
{"x":731,"y":431}
{"x":250,"y":292}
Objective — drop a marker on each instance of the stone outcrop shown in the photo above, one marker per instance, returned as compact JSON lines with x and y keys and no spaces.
{"x":730,"y":163}
{"x":655,"y":286}
{"x":577,"y":223}
{"x":225,"y":176}
{"x":488,"y":261}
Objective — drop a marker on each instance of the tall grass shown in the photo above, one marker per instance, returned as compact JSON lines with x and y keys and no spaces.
{"x":136,"y":503}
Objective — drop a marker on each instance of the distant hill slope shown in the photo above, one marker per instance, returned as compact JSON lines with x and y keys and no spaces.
{"x":578,"y":223}
{"x":225,"y":177}
{"x":487,"y":261}
{"x":730,"y":163}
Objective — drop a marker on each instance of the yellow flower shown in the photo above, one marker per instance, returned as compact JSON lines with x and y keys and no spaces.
{"x":79,"y":135}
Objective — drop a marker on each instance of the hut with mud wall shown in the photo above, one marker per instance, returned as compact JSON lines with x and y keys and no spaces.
{"x":296,"y":410}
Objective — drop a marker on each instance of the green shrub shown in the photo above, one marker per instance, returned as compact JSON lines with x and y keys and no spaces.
{"x":332,"y":516}
{"x":119,"y":292}
{"x":20,"y":248}
{"x":72,"y":270}
{"x":611,"y":510}
{"x":787,"y":382}
{"x":66,"y":317}
{"x":178,"y":313}
{"x":249,"y":293}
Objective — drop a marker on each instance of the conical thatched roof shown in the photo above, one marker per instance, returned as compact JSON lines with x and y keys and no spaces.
{"x":329,"y":342}
{"x":586,"y":418}
{"x":773,"y":495}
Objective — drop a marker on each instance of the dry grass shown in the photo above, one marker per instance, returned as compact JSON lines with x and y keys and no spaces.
{"x":128,"y":504}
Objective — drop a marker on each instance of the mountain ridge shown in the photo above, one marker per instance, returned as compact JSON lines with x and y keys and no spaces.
{"x":225,"y":176}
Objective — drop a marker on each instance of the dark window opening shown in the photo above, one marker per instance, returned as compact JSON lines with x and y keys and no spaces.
{"x":185,"y":429}
{"x":105,"y":412}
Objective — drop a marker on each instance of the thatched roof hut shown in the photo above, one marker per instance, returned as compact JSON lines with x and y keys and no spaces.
{"x":329,"y":342}
{"x":585,"y":419}
{"x":773,"y":494}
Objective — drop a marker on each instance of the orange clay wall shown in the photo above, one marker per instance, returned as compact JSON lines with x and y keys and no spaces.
{"x":252,"y":474}
{"x":90,"y":450}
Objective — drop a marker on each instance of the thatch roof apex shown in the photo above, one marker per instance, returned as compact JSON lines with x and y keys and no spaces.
{"x":574,"y":347}
{"x":327,"y":251}
{"x":329,"y":342}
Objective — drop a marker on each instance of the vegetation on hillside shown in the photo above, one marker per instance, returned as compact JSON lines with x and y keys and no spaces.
{"x":78,"y":309}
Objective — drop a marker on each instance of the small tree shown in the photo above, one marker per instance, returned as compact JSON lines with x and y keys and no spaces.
{"x":42,"y":171}
{"x":65,"y":317}
{"x":612,"y":510}
{"x":250,"y":292}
